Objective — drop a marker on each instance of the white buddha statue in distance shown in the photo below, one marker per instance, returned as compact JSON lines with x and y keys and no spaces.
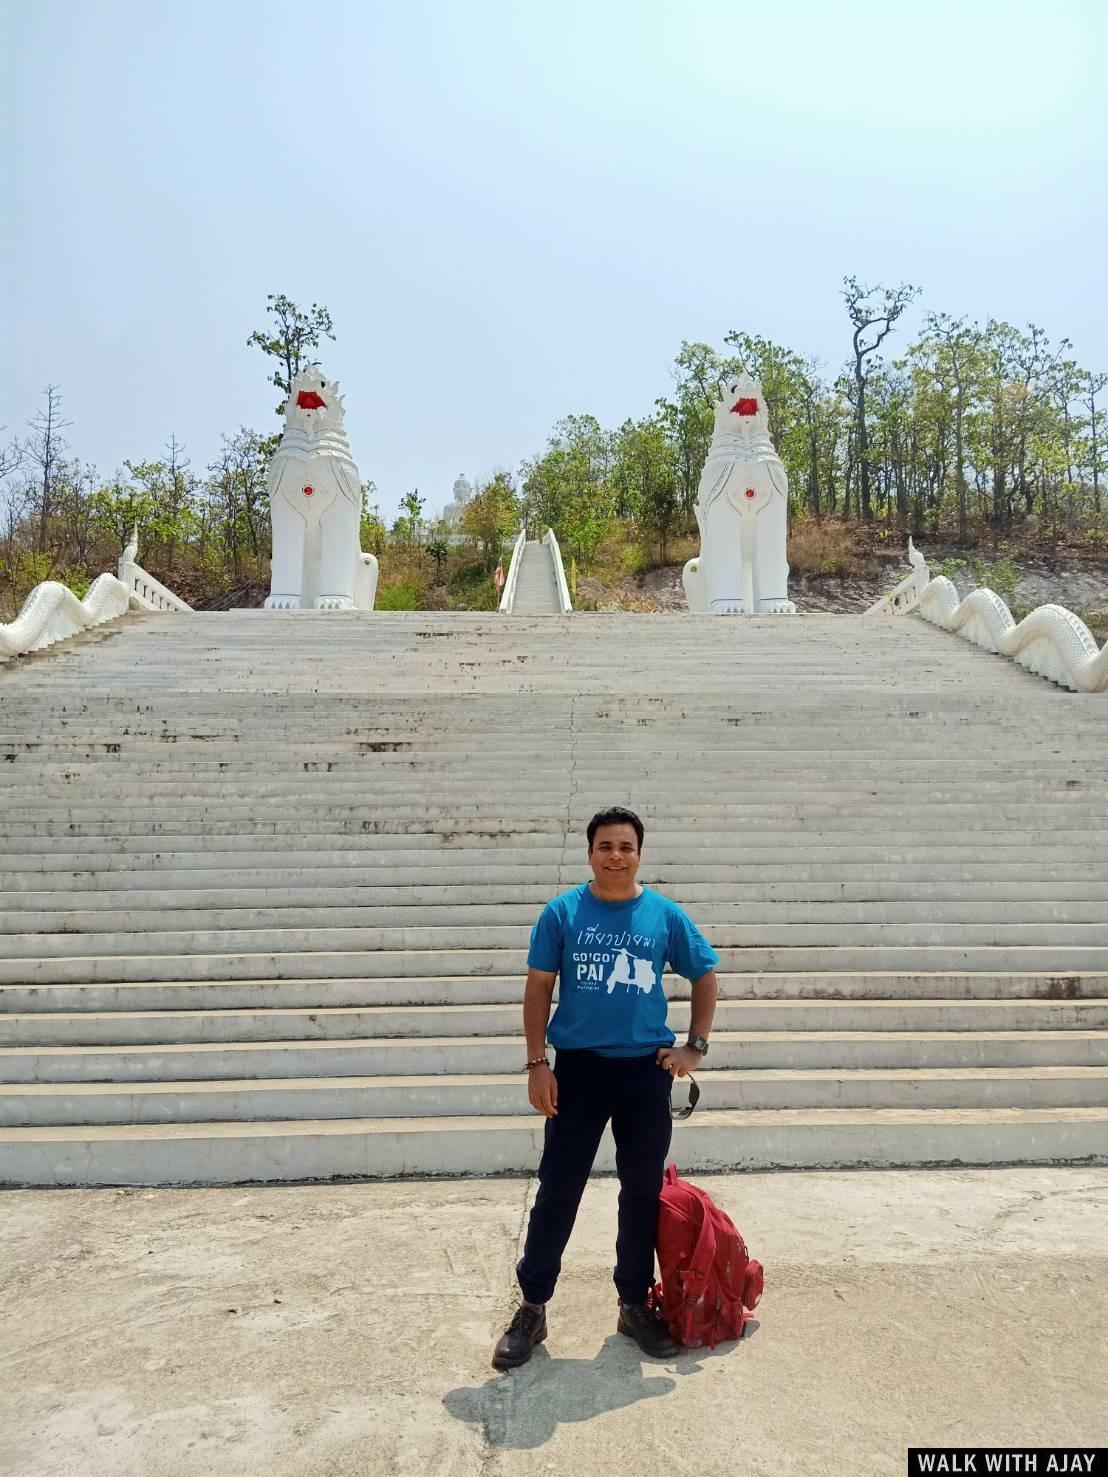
{"x":463,"y":491}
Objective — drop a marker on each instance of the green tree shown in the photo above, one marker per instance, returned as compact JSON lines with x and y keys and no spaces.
{"x":698,"y":374}
{"x":289,"y":339}
{"x":1094,"y":439}
{"x":570,"y":488}
{"x":44,"y":449}
{"x":373,"y":533}
{"x":439,"y":550}
{"x":172,"y":489}
{"x":491,"y":514}
{"x":950,"y":354}
{"x":644,"y":479}
{"x":409,"y":526}
{"x":873,"y":311}
{"x":75,"y":511}
{"x":238,"y":503}
{"x":120,"y":507}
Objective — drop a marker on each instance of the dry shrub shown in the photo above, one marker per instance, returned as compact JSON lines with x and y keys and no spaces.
{"x":817,"y":549}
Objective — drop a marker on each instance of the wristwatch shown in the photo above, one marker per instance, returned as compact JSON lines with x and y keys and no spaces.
{"x":698,"y":1043}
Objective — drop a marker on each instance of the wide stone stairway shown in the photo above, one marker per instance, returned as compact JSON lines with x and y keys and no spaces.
{"x":268,"y":880}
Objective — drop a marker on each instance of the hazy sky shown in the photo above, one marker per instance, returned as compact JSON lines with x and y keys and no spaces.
{"x":518,"y":211}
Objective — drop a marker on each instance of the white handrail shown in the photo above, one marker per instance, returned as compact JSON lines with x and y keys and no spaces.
{"x":150,"y":593}
{"x":1051,"y":641}
{"x":907,"y":594}
{"x":507,"y":600}
{"x":551,"y":541}
{"x":52,"y":612}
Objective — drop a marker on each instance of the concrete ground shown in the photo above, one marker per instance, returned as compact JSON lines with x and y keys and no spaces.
{"x":346,"y":1329}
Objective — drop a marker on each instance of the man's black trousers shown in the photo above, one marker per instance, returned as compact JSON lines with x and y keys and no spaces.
{"x":634,"y":1092}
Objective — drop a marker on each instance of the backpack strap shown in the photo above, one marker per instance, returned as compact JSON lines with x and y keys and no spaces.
{"x":702,"y":1257}
{"x":694,"y":1098}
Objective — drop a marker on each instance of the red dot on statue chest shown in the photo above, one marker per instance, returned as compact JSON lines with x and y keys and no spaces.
{"x":750,"y":492}
{"x":309,"y":490}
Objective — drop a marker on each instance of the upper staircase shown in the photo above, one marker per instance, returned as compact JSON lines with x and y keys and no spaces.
{"x":536,"y":591}
{"x":268,"y":879}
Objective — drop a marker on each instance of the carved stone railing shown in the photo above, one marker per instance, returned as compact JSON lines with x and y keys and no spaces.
{"x":52,"y":612}
{"x":907,"y":594}
{"x":1051,"y":641}
{"x":148,"y":593}
{"x":551,"y":542}
{"x":507,"y":599}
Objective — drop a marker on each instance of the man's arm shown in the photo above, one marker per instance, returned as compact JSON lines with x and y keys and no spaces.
{"x":542,"y":1085}
{"x":705,"y":991}
{"x":682,"y":1059}
{"x":537,"y":995}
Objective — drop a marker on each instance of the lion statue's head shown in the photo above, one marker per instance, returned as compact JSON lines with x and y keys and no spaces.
{"x":315,"y":403}
{"x":742,"y":409}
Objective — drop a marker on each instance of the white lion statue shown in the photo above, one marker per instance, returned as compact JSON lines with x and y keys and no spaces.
{"x":742,"y":512}
{"x":315,"y":499}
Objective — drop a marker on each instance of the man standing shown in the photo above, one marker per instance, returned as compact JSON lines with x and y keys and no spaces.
{"x":608,"y":941}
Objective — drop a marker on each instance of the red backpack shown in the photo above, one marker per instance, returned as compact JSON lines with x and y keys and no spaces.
{"x":709,"y":1283}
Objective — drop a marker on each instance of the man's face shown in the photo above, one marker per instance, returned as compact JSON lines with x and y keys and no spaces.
{"x":614,"y":854}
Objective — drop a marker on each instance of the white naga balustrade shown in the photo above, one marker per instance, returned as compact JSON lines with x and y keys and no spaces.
{"x":1051,"y":641}
{"x":742,"y":506}
{"x":315,"y":498}
{"x":52,"y":612}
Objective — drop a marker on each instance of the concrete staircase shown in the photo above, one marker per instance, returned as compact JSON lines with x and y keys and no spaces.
{"x":537,"y":585}
{"x":268,"y":878}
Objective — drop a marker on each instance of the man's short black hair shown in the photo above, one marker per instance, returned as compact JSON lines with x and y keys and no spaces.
{"x":615,"y":815}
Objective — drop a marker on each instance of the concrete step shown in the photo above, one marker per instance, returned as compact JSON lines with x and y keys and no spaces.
{"x":446,"y":1095}
{"x":507,"y":989}
{"x":228,"y":1153}
{"x":347,"y":1022}
{"x":274,"y":890}
{"x":326,"y":814}
{"x":383,"y":858}
{"x":452,"y":779}
{"x":178,"y":872}
{"x":1056,"y":960}
{"x":397,"y":912}
{"x":452,"y":758}
{"x":842,"y":1050}
{"x":40,"y":947}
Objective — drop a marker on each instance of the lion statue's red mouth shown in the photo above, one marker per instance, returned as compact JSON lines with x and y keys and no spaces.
{"x":310,"y":400}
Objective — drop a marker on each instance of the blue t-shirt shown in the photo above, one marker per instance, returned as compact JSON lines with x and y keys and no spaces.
{"x":610,"y":958}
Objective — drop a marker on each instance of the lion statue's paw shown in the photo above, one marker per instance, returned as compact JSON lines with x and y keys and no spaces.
{"x":283,"y":602}
{"x":776,"y":607}
{"x":727,"y":607}
{"x":334,"y":602}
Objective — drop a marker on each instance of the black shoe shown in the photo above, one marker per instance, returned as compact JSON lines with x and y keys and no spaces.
{"x":647,"y":1327}
{"x":526,"y":1329}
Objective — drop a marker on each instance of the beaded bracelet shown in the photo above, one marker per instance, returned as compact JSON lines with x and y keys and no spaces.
{"x":540,"y":1061}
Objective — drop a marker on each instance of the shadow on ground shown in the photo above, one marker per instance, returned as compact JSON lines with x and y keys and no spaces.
{"x":523,"y":1409}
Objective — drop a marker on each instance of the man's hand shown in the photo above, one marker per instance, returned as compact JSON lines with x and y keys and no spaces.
{"x":677,"y":1060}
{"x":542,"y":1090}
